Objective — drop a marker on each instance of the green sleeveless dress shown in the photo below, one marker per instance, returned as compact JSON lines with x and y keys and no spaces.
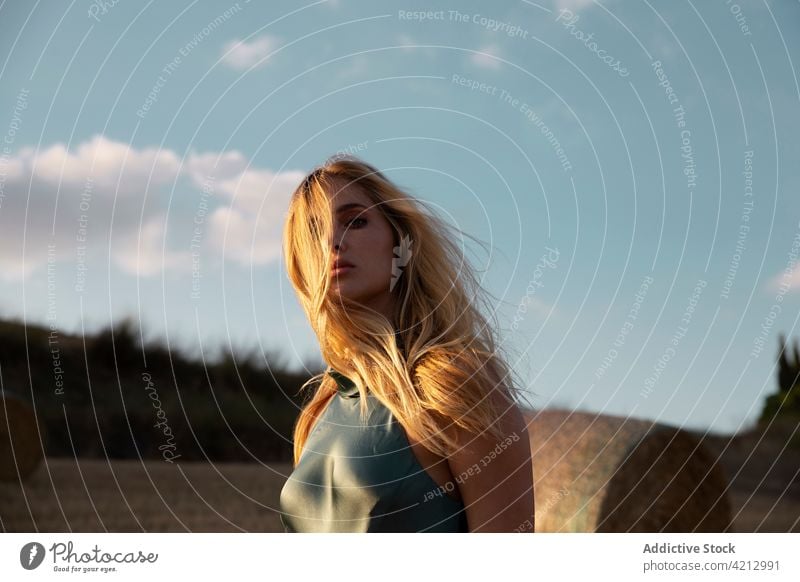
{"x":363,"y":477}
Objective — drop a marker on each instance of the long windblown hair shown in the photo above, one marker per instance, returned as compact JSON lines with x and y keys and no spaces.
{"x":437,"y":365}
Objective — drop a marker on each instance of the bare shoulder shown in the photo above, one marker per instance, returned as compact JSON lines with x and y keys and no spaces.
{"x":495,"y":475}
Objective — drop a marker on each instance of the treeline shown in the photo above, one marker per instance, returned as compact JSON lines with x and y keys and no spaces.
{"x":109,"y":396}
{"x":781,"y":412}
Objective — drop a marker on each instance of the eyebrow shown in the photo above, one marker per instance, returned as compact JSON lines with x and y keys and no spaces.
{"x":346,"y":207}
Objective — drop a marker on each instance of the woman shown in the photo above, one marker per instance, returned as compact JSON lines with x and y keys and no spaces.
{"x":414,"y":426}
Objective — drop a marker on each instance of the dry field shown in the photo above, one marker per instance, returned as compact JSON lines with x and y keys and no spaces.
{"x":63,"y":495}
{"x":764,"y":479}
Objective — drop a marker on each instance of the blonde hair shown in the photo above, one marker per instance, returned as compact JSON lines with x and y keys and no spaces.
{"x":440,"y":368}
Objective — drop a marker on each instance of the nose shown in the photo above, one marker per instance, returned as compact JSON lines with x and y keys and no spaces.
{"x":338,"y":244}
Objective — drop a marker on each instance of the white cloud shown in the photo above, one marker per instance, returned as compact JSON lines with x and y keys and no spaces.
{"x":356,"y":67}
{"x":101,"y":159}
{"x":573,"y":5}
{"x":15,"y":269}
{"x":211,"y":167}
{"x":663,"y":46}
{"x":249,"y":229}
{"x":54,"y":196}
{"x":240,"y":55}
{"x":412,"y":46}
{"x":484,"y":57}
{"x":143,"y":252}
{"x":790,"y":281}
{"x":407,"y":42}
{"x":541,"y":308}
{"x":59,"y":195}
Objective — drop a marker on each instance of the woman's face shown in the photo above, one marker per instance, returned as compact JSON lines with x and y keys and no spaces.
{"x":363,"y":239}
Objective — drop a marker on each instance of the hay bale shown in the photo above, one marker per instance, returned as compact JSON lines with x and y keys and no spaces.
{"x":20,"y":443}
{"x":602,"y":473}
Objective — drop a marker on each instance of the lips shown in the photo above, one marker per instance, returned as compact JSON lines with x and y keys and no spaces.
{"x":341,"y":265}
{"x":341,"y":270}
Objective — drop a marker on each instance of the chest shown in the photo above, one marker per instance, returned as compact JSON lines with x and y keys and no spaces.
{"x":361,"y":474}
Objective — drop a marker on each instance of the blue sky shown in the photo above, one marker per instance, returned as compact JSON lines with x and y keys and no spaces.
{"x":632,"y":167}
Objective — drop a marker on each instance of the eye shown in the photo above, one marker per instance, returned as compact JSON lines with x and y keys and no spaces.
{"x":352,"y":222}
